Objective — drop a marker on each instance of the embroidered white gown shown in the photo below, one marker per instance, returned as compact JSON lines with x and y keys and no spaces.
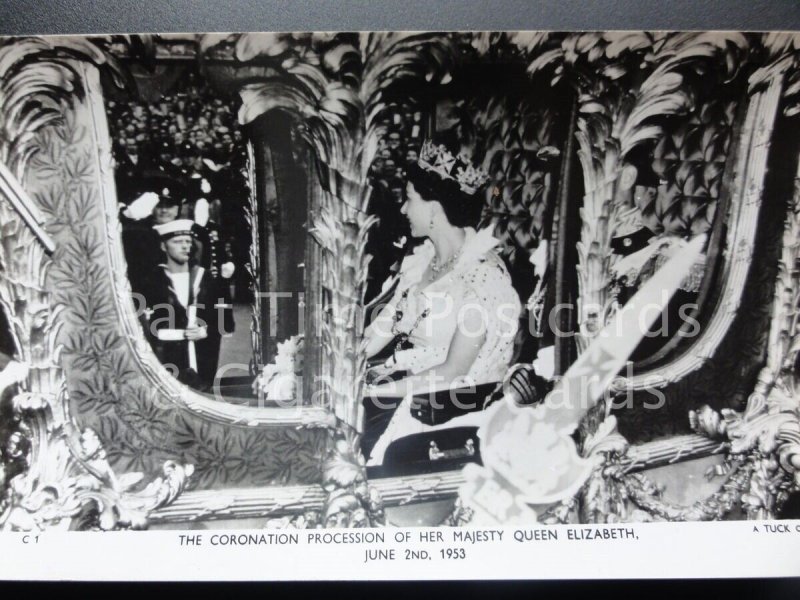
{"x":430,"y":314}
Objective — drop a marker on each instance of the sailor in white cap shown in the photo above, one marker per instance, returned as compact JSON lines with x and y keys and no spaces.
{"x":182,"y":301}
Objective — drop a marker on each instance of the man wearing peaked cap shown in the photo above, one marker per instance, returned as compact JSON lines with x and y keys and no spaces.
{"x":182,"y":307}
{"x":159,"y":202}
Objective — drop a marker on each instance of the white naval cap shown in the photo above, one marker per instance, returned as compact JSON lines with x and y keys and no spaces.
{"x":174,"y":228}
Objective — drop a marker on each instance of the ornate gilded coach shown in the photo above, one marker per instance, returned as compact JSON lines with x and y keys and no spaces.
{"x":96,"y":434}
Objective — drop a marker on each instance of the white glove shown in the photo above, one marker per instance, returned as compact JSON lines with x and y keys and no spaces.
{"x":141,"y":207}
{"x":545,"y":363}
{"x":212,"y":165}
{"x":201,"y":212}
{"x":205,"y":187}
{"x":227,"y":269}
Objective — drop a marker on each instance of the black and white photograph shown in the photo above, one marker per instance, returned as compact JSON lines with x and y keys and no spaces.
{"x":305,"y":281}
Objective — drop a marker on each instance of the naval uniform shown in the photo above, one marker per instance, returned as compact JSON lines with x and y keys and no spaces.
{"x":212,"y":259}
{"x":172,"y":300}
{"x":177,"y":301}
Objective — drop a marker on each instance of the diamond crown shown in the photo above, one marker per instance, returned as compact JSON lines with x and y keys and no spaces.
{"x":438,"y":159}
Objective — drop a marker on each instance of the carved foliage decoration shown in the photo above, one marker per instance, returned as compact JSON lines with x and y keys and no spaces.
{"x":66,"y":473}
{"x":626,"y":82}
{"x":733,"y":336}
{"x":37,"y":78}
{"x":339,"y":86}
{"x":610,"y":125}
{"x":140,"y":426}
{"x":761,"y":442}
{"x":766,"y":435}
{"x":317,"y":86}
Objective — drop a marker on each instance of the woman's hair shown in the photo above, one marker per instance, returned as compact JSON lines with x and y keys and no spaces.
{"x":460,"y":208}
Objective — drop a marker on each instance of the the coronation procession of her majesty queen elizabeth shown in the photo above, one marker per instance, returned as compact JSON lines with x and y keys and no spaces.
{"x":317,"y":280}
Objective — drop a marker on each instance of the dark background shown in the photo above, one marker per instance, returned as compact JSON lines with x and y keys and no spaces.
{"x":138,"y":16}
{"x":19,"y":17}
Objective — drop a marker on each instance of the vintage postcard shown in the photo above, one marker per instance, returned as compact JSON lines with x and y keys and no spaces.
{"x":400,"y":304}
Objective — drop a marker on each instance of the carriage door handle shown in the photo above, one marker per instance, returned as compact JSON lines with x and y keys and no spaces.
{"x":468,"y":450}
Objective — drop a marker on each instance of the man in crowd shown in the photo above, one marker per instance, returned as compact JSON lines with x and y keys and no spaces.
{"x":130,"y":163}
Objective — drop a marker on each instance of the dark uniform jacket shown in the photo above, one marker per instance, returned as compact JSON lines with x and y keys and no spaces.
{"x":128,"y":175}
{"x":211,"y":255}
{"x":166,"y":318}
{"x":142,"y":247}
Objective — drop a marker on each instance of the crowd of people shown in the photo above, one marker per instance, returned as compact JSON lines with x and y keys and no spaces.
{"x":399,"y":147}
{"x":188,"y":130}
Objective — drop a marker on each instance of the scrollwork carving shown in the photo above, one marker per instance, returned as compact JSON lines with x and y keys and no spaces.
{"x":625,"y":82}
{"x":338,"y":86}
{"x":765,"y":434}
{"x":71,"y":483}
{"x":67,"y":472}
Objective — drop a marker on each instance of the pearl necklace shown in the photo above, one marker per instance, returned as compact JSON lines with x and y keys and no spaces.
{"x":437,"y":268}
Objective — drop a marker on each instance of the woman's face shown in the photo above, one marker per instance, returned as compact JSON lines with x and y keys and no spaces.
{"x":417,"y":211}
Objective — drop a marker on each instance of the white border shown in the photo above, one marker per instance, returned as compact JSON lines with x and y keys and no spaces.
{"x":651,"y":550}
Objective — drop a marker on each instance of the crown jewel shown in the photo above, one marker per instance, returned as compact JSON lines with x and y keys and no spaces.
{"x":440,"y":160}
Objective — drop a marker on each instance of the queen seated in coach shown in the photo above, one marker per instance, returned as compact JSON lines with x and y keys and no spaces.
{"x":449,"y":324}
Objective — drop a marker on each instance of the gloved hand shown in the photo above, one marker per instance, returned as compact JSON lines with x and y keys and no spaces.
{"x":141,"y":207}
{"x":226,"y":270}
{"x":538,"y":259}
{"x":196,"y":333}
{"x":201,"y":212}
